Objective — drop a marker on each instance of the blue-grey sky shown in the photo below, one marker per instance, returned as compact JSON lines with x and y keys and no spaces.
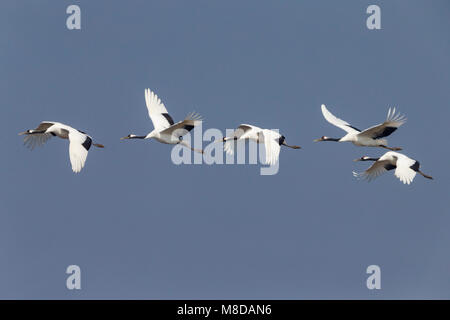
{"x":141,"y":227}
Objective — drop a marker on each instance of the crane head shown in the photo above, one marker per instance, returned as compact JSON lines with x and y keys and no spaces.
{"x":130,"y":136}
{"x":365,"y":158}
{"x":323,"y":138}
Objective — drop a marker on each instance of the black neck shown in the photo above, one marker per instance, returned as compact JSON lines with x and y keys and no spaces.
{"x":371,"y":159}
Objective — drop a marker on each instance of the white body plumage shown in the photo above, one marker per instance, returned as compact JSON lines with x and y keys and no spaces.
{"x":272,"y":141}
{"x":371,"y":137}
{"x":79,"y":142}
{"x":405,"y":167}
{"x":165,"y":129}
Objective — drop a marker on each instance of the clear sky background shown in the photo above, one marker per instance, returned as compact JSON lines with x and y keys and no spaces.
{"x":142,"y":228}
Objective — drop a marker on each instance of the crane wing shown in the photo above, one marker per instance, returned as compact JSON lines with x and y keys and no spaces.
{"x":344,"y":125}
{"x":271,"y":145}
{"x":392,"y":123}
{"x":375,"y":170}
{"x":404,"y":171}
{"x":237,"y":134}
{"x":36,"y":139}
{"x":78,"y":149}
{"x":157,"y":111}
{"x":39,"y":137}
{"x":191,"y":121}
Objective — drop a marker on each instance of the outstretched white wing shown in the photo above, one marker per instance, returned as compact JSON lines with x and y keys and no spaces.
{"x":239,"y":133}
{"x":228,"y":147}
{"x":344,"y":125}
{"x":157,"y":111}
{"x":404,"y":171}
{"x":78,"y":149}
{"x":272,"y":146}
{"x":392,"y":123}
{"x":192,"y":120}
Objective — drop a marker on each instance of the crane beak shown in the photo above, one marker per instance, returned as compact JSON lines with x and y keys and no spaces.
{"x":318,"y":140}
{"x":22,"y":133}
{"x":356,"y":160}
{"x":124,"y":138}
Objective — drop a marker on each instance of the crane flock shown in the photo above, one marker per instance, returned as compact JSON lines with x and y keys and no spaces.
{"x":168,"y":132}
